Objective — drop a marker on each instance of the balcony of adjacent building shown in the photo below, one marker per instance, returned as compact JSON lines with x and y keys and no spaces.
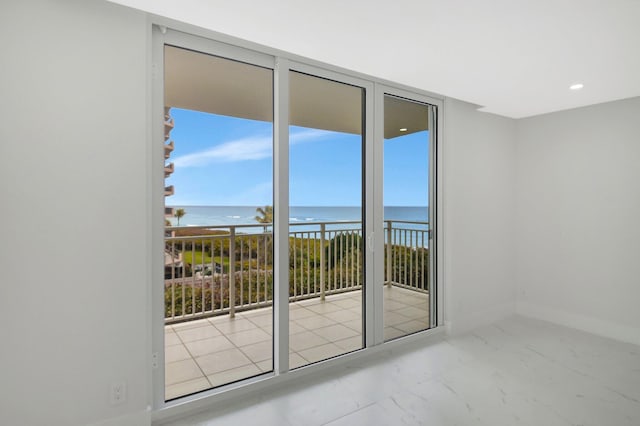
{"x":168,"y":170}
{"x":168,"y":125}
{"x":168,"y":149}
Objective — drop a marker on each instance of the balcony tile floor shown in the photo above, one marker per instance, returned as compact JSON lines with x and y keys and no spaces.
{"x":517,"y":371}
{"x":205,"y":353}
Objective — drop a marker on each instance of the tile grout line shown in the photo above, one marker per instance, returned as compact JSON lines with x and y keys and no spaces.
{"x":345,"y":303}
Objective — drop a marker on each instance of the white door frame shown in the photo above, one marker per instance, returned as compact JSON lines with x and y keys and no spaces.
{"x":282,"y":63}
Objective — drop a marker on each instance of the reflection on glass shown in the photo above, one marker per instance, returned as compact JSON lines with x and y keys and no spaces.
{"x":218,"y":256}
{"x":406,"y":198}
{"x":326,"y":248}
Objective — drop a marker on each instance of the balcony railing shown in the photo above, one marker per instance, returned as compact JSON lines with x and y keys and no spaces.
{"x":407,"y":254}
{"x":225,"y":269}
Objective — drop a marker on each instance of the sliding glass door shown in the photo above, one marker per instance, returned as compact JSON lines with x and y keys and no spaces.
{"x":294,"y":216}
{"x":218,"y":245}
{"x":408,"y":228}
{"x":326,"y":276}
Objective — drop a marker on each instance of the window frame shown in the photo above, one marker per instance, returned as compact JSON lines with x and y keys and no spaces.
{"x":436,"y":317}
{"x":192,"y":38}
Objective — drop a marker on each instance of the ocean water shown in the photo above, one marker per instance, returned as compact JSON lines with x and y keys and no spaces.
{"x":241,"y":215}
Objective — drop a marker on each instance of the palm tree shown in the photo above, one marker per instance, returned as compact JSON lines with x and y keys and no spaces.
{"x":178,"y":214}
{"x":265,"y":214}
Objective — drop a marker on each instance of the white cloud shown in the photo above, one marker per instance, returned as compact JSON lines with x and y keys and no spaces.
{"x":254,"y":148}
{"x":251,"y":148}
{"x":308,"y":135}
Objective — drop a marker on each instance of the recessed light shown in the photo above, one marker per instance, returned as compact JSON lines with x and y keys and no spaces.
{"x":404,"y":129}
{"x":576,"y":86}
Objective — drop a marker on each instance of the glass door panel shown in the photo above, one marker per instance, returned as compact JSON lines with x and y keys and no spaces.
{"x":406,"y":193}
{"x":218,"y":284}
{"x":326,"y":227}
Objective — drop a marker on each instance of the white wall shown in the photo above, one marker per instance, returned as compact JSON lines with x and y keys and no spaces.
{"x":578,"y":218}
{"x":74,"y":267}
{"x":479,"y":210}
{"x":74,"y":169}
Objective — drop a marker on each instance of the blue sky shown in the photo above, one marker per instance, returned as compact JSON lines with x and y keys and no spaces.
{"x":227,"y":161}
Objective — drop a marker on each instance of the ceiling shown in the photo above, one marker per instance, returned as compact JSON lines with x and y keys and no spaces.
{"x":510,"y":57}
{"x":201,"y":82}
{"x":215,"y":85}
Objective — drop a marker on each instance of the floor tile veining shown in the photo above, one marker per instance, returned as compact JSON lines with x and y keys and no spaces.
{"x":518,"y":371}
{"x":209,"y":352}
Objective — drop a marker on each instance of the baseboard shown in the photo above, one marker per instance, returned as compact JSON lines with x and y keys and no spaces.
{"x":139,"y":418}
{"x":460,"y":324}
{"x":592,"y":325}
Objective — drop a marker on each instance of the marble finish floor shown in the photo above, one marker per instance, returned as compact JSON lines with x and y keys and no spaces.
{"x":205,"y":353}
{"x":518,"y":371}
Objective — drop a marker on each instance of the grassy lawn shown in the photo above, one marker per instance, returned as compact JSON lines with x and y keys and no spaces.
{"x":197,"y":258}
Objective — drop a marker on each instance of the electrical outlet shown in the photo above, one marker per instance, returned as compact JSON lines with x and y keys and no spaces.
{"x":118,"y":393}
{"x":154,"y":360}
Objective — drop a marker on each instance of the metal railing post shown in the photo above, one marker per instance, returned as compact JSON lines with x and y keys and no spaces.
{"x":232,"y":272}
{"x":322,"y":250}
{"x":389,"y":253}
{"x":409,"y":253}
